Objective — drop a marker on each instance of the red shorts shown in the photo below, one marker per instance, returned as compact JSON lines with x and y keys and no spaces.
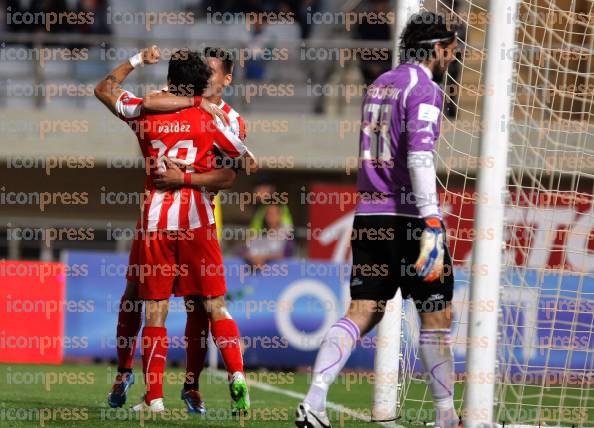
{"x":184,"y":263}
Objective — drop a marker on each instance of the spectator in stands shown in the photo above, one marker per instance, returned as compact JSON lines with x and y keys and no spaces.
{"x":300,"y":9}
{"x":49,"y":6}
{"x":15,"y":8}
{"x":241,"y":6}
{"x":452,"y":84}
{"x":219,"y":6}
{"x":369,"y":30}
{"x":4,"y":25}
{"x":274,"y":241}
{"x":265,"y":191}
{"x":99,"y":10}
{"x":271,"y":229}
{"x":257,"y":6}
{"x":259,"y":43}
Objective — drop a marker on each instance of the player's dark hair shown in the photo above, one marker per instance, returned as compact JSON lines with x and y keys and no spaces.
{"x":188,"y":73}
{"x":226,"y":57}
{"x":420,"y":35}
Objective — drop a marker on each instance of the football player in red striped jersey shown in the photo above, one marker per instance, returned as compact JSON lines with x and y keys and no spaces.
{"x":187,"y":138}
{"x":197,"y":324}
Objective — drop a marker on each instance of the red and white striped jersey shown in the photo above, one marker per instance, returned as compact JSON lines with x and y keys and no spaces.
{"x":237,"y":124}
{"x":187,"y":137}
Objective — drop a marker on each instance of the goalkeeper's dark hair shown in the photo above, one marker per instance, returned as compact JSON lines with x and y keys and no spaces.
{"x":188,"y":73}
{"x":226,"y":57}
{"x":420,"y":35}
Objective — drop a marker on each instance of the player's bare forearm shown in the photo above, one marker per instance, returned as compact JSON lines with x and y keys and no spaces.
{"x":108,"y":90}
{"x":164,"y":102}
{"x":215,"y":180}
{"x":174,"y":178}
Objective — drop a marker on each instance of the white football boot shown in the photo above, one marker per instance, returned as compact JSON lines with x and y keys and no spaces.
{"x":156,"y":406}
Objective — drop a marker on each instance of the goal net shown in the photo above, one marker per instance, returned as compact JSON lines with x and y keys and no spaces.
{"x":545,"y":368}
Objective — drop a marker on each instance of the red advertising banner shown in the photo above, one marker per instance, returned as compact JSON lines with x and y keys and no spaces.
{"x":32,"y":295}
{"x":544,"y":229}
{"x":331,"y":213}
{"x":550,"y":229}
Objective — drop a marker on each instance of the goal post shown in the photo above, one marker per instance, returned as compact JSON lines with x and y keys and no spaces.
{"x":487,"y":251}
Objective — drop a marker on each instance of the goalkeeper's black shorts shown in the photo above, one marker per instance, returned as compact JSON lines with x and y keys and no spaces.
{"x":385,"y":249}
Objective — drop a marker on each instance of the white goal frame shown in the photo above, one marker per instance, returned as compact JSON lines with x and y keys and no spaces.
{"x":481,"y":361}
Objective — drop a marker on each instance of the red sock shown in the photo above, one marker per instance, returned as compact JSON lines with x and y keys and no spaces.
{"x":129,"y":322}
{"x":226,"y":336}
{"x":197,"y":346}
{"x":154,"y":357}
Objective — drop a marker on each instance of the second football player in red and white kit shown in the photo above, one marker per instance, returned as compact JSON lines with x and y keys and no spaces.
{"x":197,"y":324}
{"x":180,"y":242}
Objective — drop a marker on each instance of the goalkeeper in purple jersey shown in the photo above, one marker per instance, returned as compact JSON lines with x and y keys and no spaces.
{"x":396,"y":182}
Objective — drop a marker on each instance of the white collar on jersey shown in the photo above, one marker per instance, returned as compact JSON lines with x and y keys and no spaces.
{"x":427,"y":71}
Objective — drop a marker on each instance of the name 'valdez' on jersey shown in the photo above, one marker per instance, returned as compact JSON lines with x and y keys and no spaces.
{"x":189,"y":138}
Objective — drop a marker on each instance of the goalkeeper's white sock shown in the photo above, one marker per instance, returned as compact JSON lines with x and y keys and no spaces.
{"x":334,"y":352}
{"x":438,"y":359}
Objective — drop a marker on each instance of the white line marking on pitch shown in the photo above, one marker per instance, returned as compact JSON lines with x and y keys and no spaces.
{"x":299,"y":396}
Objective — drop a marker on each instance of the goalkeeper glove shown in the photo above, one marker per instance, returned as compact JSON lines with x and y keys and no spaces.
{"x":429,"y":265}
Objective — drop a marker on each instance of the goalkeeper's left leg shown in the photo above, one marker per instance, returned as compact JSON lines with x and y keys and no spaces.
{"x":432,"y":297}
{"x":435,"y":346}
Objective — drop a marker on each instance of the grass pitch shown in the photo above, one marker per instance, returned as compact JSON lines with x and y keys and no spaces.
{"x":76,"y":396}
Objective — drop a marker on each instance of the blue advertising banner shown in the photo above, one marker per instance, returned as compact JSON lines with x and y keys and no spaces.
{"x":284,"y":312}
{"x":546,"y":323}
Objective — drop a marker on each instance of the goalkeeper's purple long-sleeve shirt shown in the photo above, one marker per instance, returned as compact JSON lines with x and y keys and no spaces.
{"x":400,"y":126}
